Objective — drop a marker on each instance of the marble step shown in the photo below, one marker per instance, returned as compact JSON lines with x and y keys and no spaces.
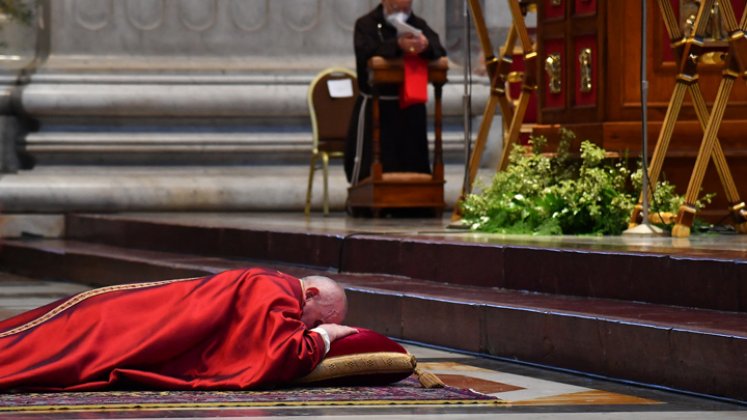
{"x":191,"y":146}
{"x":60,"y":189}
{"x":707,"y":275}
{"x":19,"y":294}
{"x":688,"y":349}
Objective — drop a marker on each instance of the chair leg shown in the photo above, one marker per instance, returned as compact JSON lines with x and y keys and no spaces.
{"x":312,"y":167}
{"x":325,"y":172}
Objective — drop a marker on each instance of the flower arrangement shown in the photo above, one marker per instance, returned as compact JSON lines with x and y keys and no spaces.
{"x":562,"y":193}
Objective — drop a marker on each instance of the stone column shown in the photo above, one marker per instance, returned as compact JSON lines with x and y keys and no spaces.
{"x":17,"y":51}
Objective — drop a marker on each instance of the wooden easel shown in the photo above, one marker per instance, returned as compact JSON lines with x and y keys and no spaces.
{"x":498,"y":71}
{"x":689,"y":49}
{"x":736,"y":65}
{"x":401,"y":190}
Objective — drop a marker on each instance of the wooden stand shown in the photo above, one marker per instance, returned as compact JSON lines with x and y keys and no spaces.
{"x":736,"y":65}
{"x":689,"y":50}
{"x":401,"y":190}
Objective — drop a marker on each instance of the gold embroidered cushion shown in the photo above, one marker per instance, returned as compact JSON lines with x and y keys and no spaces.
{"x":366,"y":358}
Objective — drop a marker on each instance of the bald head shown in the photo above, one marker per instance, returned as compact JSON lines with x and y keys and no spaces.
{"x":394,"y":6}
{"x":326,"y":302}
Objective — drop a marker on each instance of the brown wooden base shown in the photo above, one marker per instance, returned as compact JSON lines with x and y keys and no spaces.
{"x":378,"y":195}
{"x":626,"y":136}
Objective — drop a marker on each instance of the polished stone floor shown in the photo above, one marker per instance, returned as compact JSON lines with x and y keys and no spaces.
{"x":529,"y":392}
{"x":719,"y":243}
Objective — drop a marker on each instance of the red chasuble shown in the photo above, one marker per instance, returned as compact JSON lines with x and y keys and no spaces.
{"x":236,"y":330}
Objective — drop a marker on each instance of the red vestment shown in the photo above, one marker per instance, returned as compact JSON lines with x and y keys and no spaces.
{"x":235,"y":330}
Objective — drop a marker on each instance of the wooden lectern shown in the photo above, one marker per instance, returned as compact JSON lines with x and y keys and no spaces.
{"x":401,"y":190}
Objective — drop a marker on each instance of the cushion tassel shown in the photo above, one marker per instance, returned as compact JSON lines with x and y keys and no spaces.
{"x":428,"y":380}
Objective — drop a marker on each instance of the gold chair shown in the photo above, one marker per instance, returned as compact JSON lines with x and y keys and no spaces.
{"x":330,"y":107}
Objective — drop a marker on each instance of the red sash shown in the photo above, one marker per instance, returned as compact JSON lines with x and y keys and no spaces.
{"x":415,"y":84}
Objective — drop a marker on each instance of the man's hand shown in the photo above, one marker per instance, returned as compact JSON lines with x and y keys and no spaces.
{"x":413,"y":44}
{"x":336,"y":331}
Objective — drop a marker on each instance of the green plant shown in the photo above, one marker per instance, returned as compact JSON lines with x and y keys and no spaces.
{"x":564,"y":193}
{"x":665,"y":202}
{"x":513,"y":202}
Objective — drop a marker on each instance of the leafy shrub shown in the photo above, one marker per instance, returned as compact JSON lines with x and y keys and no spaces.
{"x":562,"y":194}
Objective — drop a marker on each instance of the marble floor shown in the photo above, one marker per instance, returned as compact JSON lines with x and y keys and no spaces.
{"x":529,"y":392}
{"x":720,"y":240}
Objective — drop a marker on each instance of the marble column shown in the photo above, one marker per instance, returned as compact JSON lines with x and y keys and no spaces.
{"x":17,"y":51}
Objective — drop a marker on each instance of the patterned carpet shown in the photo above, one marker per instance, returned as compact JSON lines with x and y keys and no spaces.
{"x":407,"y":392}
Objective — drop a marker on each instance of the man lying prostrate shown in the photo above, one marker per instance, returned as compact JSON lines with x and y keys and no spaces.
{"x":241,"y":329}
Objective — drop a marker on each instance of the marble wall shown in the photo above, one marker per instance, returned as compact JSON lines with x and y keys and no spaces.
{"x":197,"y":28}
{"x":190,"y":81}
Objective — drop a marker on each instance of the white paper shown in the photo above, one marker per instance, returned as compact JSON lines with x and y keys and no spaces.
{"x":342,"y":88}
{"x":404,"y":28}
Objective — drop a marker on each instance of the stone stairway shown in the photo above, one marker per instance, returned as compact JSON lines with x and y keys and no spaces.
{"x":673,"y":318}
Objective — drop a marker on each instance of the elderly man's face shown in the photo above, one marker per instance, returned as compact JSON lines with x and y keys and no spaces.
{"x":393,"y":6}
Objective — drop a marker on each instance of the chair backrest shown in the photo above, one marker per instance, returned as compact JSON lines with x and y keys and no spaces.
{"x":331,"y":106}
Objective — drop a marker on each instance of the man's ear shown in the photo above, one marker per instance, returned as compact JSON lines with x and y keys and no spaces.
{"x":311,"y":292}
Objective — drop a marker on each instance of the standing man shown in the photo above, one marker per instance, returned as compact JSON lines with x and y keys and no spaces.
{"x":404,"y":141}
{"x":241,"y":329}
